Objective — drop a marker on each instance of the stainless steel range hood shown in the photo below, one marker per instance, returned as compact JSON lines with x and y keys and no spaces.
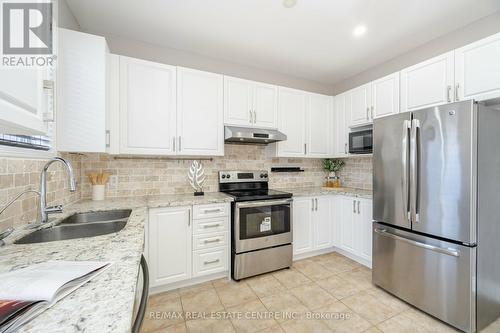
{"x":235,"y":134}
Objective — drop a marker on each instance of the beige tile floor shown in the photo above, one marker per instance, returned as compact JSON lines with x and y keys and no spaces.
{"x":332,"y":289}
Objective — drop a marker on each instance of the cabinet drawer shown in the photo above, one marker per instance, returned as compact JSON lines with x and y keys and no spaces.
{"x":210,"y":211}
{"x":211,"y":261}
{"x":206,"y":226}
{"x":207,"y":241}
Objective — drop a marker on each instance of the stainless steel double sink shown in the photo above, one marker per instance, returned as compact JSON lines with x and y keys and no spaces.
{"x":80,"y":225}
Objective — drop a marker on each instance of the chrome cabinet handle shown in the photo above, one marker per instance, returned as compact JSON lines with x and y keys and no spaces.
{"x":448,"y":93}
{"x":450,"y":252}
{"x":180,"y":146}
{"x":254,"y":117}
{"x":212,"y":210}
{"x":354,"y":206}
{"x":312,"y":204}
{"x":345,"y":148}
{"x":189,"y":217}
{"x":211,"y":262}
{"x":173,"y":143}
{"x":358,"y":207}
{"x":305,"y":148}
{"x":368,"y":113}
{"x":316,"y":200}
{"x":457,"y":87}
{"x":211,"y":225}
{"x":372,"y":108}
{"x":405,"y":157}
{"x":251,"y":116}
{"x":208,"y":241}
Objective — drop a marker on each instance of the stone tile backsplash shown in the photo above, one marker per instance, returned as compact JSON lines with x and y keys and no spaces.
{"x":142,"y":176}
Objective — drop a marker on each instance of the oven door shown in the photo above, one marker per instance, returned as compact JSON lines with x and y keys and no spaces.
{"x":262,"y":224}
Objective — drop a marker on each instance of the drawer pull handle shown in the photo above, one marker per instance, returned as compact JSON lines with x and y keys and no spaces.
{"x":211,"y":225}
{"x":212,"y":210}
{"x":207,"y":241}
{"x":211,"y":262}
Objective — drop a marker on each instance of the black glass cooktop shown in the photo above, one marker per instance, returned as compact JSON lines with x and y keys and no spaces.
{"x":261,"y":194}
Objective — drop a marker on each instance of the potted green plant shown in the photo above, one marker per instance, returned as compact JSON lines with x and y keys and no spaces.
{"x":333,"y":166}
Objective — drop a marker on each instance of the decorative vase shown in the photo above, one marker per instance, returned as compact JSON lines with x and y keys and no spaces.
{"x":98,"y":192}
{"x":196,"y":176}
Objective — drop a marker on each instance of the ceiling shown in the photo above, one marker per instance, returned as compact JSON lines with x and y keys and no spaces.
{"x":312,"y":40}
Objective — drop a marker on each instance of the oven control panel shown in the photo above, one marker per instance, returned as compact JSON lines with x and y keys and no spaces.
{"x":243,"y":176}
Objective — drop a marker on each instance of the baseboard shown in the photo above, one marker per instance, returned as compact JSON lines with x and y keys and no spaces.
{"x":354,"y":257}
{"x":347,"y":254}
{"x":313,"y":253}
{"x":188,"y":283}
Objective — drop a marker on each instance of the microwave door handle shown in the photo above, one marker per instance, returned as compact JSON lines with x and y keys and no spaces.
{"x":405,"y":142}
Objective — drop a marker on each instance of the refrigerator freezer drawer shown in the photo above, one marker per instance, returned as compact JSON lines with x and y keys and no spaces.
{"x":435,"y":276}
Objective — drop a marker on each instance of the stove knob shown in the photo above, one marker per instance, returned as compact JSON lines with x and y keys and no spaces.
{"x":223,"y":176}
{"x":261,"y":175}
{"x":228,"y":176}
{"x":265,"y":175}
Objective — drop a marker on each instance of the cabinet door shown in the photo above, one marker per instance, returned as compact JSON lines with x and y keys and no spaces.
{"x":477,"y":70}
{"x":238,"y":101}
{"x":347,"y":224}
{"x":322,"y":222}
{"x":292,"y":105}
{"x":199,"y":113}
{"x":265,"y":105}
{"x":147,"y":107}
{"x":319,"y":126}
{"x":340,"y":127}
{"x":360,"y":105}
{"x":21,"y":101}
{"x":302,"y":225}
{"x":336,"y":217}
{"x":169,"y":248}
{"x":364,"y":229}
{"x":81,"y":92}
{"x":385,"y":96}
{"x":427,"y":84}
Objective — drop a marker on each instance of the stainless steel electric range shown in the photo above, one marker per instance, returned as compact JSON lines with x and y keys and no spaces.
{"x":261,"y":223}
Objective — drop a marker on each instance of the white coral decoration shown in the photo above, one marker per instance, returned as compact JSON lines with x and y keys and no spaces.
{"x":196,"y":176}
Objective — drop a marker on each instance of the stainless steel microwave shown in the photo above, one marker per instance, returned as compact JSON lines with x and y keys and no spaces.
{"x":361,"y":142}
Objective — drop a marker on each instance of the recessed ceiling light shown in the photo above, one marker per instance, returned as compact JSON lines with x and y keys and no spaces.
{"x":289,"y":3}
{"x":359,"y":31}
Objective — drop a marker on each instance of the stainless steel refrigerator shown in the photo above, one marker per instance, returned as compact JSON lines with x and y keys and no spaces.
{"x":436,"y":206}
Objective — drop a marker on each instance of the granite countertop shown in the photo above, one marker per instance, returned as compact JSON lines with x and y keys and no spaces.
{"x":318,"y":190}
{"x":105,"y":304}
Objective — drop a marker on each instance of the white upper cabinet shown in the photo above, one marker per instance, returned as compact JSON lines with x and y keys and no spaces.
{"x":82,"y":92}
{"x":292,"y":111}
{"x":249,"y":103}
{"x":199,"y":113}
{"x":428,"y":84}
{"x":238,"y":102}
{"x":477,"y":70}
{"x":340,"y":145}
{"x":147,"y":107}
{"x":22,"y":101}
{"x":319,"y":126}
{"x":385,"y":96}
{"x":360,"y":105}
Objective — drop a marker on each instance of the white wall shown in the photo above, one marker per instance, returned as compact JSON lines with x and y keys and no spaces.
{"x":139,"y":49}
{"x":65,"y":18}
{"x":460,"y":37}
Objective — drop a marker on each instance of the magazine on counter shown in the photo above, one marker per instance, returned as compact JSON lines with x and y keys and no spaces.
{"x":27,"y":292}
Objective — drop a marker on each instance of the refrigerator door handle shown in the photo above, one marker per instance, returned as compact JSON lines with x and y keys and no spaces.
{"x":414,"y":170}
{"x":448,"y":251}
{"x":404,"y":160}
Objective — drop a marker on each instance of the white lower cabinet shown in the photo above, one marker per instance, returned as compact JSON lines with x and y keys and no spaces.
{"x":169,"y":245}
{"x":184,"y":243}
{"x":311,"y":224}
{"x":354,"y":227}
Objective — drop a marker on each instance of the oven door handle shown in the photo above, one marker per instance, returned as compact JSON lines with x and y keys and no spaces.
{"x":262,"y":203}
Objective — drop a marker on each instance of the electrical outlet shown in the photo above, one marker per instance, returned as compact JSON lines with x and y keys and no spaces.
{"x":113,"y":182}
